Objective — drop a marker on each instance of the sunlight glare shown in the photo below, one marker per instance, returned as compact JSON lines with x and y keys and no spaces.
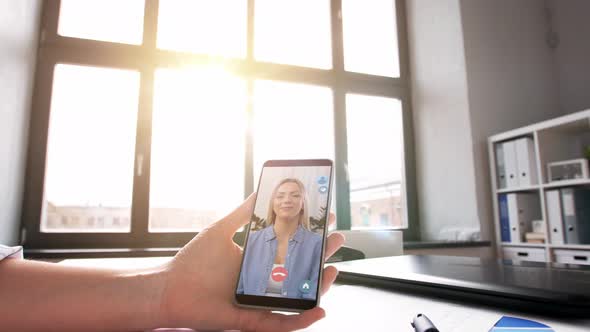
{"x":214,"y":27}
{"x":86,"y":19}
{"x":198,"y":140}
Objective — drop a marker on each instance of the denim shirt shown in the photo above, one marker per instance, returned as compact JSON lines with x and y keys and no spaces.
{"x":302,"y":263}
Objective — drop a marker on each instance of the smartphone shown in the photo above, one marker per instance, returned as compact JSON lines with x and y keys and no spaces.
{"x":284,"y":245}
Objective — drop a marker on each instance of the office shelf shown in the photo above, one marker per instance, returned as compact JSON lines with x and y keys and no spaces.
{"x":525,"y":245}
{"x":567,"y":183}
{"x":518,"y":189}
{"x":570,"y":246}
{"x":558,"y":139}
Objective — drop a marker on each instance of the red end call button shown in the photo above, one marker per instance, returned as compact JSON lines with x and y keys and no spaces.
{"x":279,"y":274}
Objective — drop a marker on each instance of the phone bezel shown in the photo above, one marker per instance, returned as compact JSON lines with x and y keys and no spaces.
{"x":280,"y":303}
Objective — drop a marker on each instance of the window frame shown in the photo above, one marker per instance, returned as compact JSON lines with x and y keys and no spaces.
{"x":146,"y":58}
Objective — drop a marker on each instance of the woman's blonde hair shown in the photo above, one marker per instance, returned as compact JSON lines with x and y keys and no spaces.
{"x":303,"y":214}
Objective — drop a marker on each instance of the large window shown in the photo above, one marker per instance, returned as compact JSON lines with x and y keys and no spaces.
{"x":152,"y":118}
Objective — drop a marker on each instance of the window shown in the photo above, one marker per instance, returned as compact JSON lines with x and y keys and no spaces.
{"x":90,"y":147}
{"x":298,"y":116}
{"x":294,"y":32}
{"x":200,"y":179}
{"x":105,"y":20}
{"x":375,"y":162}
{"x":215,"y":27}
{"x":370,"y":39}
{"x":152,"y":118}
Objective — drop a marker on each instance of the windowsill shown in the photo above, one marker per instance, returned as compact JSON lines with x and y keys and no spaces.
{"x":409,"y":245}
{"x":99,"y":253}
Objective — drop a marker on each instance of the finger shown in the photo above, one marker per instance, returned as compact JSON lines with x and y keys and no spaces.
{"x":282,"y":322}
{"x":331,"y":219}
{"x":328,"y":278}
{"x":335,"y":241}
{"x":238,"y":217}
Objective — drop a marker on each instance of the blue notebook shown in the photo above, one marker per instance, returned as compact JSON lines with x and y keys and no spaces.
{"x":513,"y":324}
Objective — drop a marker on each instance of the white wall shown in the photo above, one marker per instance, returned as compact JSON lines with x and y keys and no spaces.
{"x":444,"y":154}
{"x":478,"y":67}
{"x":510,"y":77}
{"x":19,"y":26}
{"x":572,"y":56}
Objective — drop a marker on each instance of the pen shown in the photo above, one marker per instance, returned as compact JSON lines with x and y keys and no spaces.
{"x":421,"y":323}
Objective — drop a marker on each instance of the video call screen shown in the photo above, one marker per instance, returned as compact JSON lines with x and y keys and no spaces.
{"x":283,"y":249}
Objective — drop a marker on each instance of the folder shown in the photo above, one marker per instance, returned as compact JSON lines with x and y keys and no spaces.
{"x":513,"y":324}
{"x":510,"y":164}
{"x":500,"y":168}
{"x":522,"y":210}
{"x":504,"y":218}
{"x":555,"y":221}
{"x":526,"y":161}
{"x":576,"y":215}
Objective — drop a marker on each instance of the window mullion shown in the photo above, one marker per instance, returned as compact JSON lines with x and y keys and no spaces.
{"x":141,"y":171}
{"x":32,"y":212}
{"x":342,"y":194}
{"x":342,"y":179}
{"x":50,"y":19}
{"x":141,"y":174}
{"x":150,"y":24}
{"x":412,"y":233}
{"x":402,"y":37}
{"x":337,"y":37}
{"x":250,"y":33}
{"x":249,"y":171}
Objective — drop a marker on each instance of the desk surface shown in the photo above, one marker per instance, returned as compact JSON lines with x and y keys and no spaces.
{"x":359,"y":308}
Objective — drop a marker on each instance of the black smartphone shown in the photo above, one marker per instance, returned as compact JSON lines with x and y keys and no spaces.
{"x":284,"y":246}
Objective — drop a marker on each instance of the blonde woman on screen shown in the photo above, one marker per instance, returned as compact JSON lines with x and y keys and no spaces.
{"x":283,"y":259}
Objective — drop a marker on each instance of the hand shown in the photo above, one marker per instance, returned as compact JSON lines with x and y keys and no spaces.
{"x":199,"y":283}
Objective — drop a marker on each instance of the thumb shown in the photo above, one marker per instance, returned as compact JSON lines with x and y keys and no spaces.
{"x":238,"y":217}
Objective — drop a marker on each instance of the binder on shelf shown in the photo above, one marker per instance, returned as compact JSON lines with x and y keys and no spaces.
{"x":522,"y":210}
{"x":500,"y":168}
{"x":555,"y":221}
{"x":526,"y":161}
{"x":576,"y":215}
{"x":510,"y":164}
{"x":504,"y":218}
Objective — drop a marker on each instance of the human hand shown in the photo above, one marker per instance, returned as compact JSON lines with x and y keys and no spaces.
{"x":199,"y":283}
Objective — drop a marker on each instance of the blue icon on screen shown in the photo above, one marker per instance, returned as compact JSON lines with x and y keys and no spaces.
{"x":322,"y":179}
{"x":323,"y":189}
{"x":305,"y":286}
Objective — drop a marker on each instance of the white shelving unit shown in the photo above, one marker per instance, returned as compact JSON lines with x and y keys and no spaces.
{"x":557,"y":139}
{"x":518,"y":189}
{"x":570,"y":183}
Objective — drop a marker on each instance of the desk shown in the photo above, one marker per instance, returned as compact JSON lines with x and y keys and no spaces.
{"x":360,"y":308}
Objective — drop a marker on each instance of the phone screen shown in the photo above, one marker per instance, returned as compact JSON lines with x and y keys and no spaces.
{"x":283,"y":253}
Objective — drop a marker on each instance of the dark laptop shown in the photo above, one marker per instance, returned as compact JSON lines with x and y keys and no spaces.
{"x":557,"y":289}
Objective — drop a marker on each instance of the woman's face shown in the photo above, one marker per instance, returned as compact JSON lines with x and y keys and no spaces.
{"x":288,"y":201}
